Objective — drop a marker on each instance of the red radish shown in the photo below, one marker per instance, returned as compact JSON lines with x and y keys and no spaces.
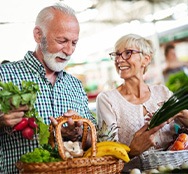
{"x":21,"y":125}
{"x":28,"y":133}
{"x":32,"y":122}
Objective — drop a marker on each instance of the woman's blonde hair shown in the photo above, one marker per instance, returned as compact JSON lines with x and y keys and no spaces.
{"x":142,"y":44}
{"x":132,"y":40}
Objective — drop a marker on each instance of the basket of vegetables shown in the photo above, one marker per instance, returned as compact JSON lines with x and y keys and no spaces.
{"x":104,"y":157}
{"x":177,"y":153}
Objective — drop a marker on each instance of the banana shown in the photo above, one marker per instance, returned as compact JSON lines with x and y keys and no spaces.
{"x":115,"y":151}
{"x":108,"y":143}
{"x":110,"y":148}
{"x":113,"y":143}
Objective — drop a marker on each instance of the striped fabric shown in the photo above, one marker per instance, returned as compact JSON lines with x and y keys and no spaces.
{"x":67,"y":93}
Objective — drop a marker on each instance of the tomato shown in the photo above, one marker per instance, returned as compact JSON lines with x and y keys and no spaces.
{"x":178,"y":145}
{"x":182,"y":137}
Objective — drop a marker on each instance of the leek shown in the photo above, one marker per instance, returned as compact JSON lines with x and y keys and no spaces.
{"x":176,"y":103}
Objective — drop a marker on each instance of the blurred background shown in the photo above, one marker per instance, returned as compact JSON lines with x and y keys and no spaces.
{"x":102,"y":22}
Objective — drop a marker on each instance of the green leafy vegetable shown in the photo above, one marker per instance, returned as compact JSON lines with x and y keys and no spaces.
{"x":176,"y":103}
{"x":177,"y":80}
{"x":12,"y":97}
{"x":40,"y":155}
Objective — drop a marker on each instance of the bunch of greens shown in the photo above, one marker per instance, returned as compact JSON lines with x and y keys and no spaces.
{"x":41,"y":155}
{"x":11,"y":97}
{"x":176,"y":103}
{"x":177,"y":81}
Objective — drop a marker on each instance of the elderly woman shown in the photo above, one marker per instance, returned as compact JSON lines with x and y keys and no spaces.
{"x":131,"y":105}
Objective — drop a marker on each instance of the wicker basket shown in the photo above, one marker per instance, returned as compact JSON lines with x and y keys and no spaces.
{"x":155,"y":158}
{"x":82,"y":165}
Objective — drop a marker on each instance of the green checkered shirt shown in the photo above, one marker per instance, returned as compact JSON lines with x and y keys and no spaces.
{"x":67,"y":93}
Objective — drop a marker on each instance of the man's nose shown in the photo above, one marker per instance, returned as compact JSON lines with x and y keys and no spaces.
{"x":68,"y":49}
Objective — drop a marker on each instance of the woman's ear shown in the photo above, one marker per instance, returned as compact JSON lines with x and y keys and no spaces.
{"x":37,"y":32}
{"x":147,"y":60}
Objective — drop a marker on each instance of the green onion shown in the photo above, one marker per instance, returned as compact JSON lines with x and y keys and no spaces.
{"x":176,"y":103}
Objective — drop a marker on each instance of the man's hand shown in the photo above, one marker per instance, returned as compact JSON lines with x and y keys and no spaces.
{"x":13,"y":117}
{"x":73,"y":130}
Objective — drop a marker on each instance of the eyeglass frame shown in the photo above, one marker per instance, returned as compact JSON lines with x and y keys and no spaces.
{"x":120,"y":54}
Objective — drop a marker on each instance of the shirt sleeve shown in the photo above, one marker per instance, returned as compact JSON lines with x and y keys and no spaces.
{"x":105,"y":113}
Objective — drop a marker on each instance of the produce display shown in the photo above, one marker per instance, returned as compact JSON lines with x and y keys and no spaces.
{"x":11,"y":97}
{"x":177,"y":80}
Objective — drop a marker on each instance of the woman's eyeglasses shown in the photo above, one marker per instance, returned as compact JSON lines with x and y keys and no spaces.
{"x":125,"y":54}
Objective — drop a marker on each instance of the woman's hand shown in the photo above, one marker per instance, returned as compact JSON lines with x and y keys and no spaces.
{"x":181,"y":117}
{"x":143,"y":140}
{"x":13,"y":117}
{"x":73,"y":131}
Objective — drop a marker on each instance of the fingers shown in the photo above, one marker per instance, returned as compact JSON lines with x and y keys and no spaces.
{"x":11,"y":119}
{"x":71,"y":130}
{"x":21,"y":108}
{"x":70,"y":113}
{"x":53,"y":121}
{"x":79,"y":123}
{"x":142,"y":130}
{"x":72,"y":124}
{"x":155,"y":129}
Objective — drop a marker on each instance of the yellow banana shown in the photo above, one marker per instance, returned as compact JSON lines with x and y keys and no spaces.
{"x":115,"y":151}
{"x":87,"y":153}
{"x":112,"y":149}
{"x":108,"y":143}
{"x":113,"y":143}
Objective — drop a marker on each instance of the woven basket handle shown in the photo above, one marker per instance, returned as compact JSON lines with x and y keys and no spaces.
{"x":86,"y":123}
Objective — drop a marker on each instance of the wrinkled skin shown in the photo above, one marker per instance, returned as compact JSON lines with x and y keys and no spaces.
{"x":74,"y":129}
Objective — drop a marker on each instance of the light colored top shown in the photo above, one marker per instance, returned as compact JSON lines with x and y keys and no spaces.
{"x":112,"y":107}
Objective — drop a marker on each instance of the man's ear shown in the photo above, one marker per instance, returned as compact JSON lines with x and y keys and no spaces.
{"x":37,"y":32}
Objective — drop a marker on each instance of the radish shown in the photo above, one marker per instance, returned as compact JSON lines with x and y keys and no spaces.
{"x":21,"y":125}
{"x":32,"y":122}
{"x":28,"y":133}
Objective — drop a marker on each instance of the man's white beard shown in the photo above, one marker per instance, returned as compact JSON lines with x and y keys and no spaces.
{"x":50,"y":60}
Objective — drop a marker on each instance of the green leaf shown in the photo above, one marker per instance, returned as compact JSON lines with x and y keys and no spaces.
{"x":16,"y":100}
{"x":26,"y":97}
{"x":4,"y":93}
{"x":44,"y":133}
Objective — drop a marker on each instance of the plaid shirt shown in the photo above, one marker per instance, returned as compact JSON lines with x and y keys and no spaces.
{"x":54,"y":100}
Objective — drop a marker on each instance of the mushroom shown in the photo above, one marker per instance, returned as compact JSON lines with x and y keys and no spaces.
{"x":73,"y":149}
